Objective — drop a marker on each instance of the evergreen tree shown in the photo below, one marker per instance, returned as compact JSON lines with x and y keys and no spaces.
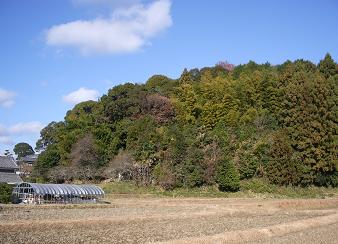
{"x":328,"y":66}
{"x":185,"y":77}
{"x":307,"y":114}
{"x":228,"y":176}
{"x":23,"y":149}
{"x":284,"y":167}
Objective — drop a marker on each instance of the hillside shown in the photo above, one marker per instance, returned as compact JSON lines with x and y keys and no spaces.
{"x":215,"y":125}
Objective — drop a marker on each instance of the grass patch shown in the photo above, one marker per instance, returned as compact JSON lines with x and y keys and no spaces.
{"x":255,"y":188}
{"x":261,"y":186}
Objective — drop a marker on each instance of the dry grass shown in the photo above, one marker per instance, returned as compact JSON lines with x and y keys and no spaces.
{"x":153,"y":219}
{"x":310,"y":204}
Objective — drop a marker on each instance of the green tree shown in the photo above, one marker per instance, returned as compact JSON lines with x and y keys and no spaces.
{"x":161,"y":84}
{"x":185,"y":103}
{"x":23,"y":149}
{"x":123,"y":101}
{"x":307,"y":114}
{"x":179,"y":130}
{"x":185,"y":77}
{"x":47,"y":159}
{"x":284,"y":167}
{"x":5,"y":193}
{"x":50,"y":135}
{"x":84,"y":114}
{"x":328,"y":66}
{"x":228,"y":176}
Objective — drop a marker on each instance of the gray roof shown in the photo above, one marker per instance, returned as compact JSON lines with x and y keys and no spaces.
{"x":29,"y":158}
{"x":64,"y":189}
{"x":10,"y":178}
{"x":8,"y":162}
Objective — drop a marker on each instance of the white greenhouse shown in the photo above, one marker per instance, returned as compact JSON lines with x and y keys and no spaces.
{"x":34,"y":193}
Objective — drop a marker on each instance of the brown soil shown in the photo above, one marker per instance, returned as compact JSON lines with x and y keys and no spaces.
{"x":189,"y":220}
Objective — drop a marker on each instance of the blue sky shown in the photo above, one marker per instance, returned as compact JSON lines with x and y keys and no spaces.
{"x":57,"y":53}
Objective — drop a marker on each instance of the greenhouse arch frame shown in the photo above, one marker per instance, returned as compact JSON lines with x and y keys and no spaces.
{"x":35,"y":193}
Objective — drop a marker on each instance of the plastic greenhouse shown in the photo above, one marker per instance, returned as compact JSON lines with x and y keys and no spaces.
{"x":34,"y":193}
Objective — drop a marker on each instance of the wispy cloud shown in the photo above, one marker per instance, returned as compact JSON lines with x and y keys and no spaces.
{"x":81,"y":95}
{"x":6,"y":98}
{"x":21,"y":128}
{"x":7,"y":133}
{"x":6,"y":140}
{"x":127,"y":30}
{"x":26,"y":128}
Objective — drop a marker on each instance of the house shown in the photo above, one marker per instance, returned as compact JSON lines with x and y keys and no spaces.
{"x":8,"y":170}
{"x":26,"y":164}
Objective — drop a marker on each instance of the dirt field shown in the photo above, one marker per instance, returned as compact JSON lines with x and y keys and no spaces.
{"x":171,"y":220}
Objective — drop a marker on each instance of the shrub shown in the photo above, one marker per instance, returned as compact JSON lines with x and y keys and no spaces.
{"x":258,"y":185}
{"x":164,"y":176}
{"x":248,"y":166}
{"x":5,"y":193}
{"x":228,"y":177}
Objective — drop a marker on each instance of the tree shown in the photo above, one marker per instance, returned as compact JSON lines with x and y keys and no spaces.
{"x":225,"y":65}
{"x":159,"y":107}
{"x":23,"y":149}
{"x":278,"y":122}
{"x":327,"y":66}
{"x":160,"y":84}
{"x":47,"y":159}
{"x":5,"y":193}
{"x":228,"y":177}
{"x":49,"y":135}
{"x":7,"y":153}
{"x":284,"y":168}
{"x":84,"y":114}
{"x":123,"y":101}
{"x":307,"y":114}
{"x":84,"y":152}
{"x":185,"y":77}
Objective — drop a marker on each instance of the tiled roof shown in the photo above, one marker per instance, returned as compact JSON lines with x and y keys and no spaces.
{"x":7,"y":162}
{"x":29,"y":158}
{"x":10,"y":178}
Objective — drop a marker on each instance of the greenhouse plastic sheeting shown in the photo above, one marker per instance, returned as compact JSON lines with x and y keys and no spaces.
{"x":63,"y":189}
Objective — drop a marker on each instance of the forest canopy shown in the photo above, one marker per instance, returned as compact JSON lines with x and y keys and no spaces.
{"x":211,"y":126}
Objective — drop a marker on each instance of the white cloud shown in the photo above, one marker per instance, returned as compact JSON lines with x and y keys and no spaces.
{"x":6,"y":140}
{"x":127,"y":30}
{"x":6,"y":98}
{"x":26,"y":128}
{"x":112,"y":3}
{"x":81,"y":95}
{"x":20,"y":128}
{"x":17,"y":130}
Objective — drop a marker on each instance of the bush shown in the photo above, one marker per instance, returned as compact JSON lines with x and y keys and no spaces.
{"x":258,"y":185}
{"x":248,"y":167}
{"x":228,"y":177}
{"x":5,"y":193}
{"x":164,"y":176}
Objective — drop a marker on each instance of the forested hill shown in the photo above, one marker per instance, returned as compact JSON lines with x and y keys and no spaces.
{"x":216,"y":125}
